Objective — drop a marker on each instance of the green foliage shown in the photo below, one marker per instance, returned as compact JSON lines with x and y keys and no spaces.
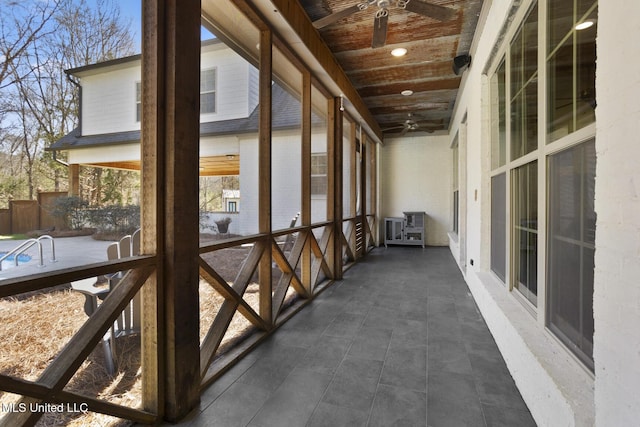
{"x":11,"y":187}
{"x":115,"y":218}
{"x":71,"y":210}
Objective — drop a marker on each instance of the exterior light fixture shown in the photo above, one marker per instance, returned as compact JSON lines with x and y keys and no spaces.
{"x":399,"y":51}
{"x":585,"y":24}
{"x":407,"y":92}
{"x":230,"y":156}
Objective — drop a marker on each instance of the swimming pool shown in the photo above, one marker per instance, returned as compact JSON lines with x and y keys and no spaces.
{"x":11,"y":260}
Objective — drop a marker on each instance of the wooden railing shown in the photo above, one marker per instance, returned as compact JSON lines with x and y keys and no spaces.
{"x":50,"y":385}
{"x":302,"y":257}
{"x":303,"y":277}
{"x":357,"y":238}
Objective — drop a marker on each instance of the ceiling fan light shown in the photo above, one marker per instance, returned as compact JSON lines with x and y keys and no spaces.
{"x":399,"y":51}
{"x":407,"y":92}
{"x":585,"y":24}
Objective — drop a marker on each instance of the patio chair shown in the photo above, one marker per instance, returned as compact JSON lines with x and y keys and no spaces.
{"x":289,"y":240}
{"x":129,"y":320}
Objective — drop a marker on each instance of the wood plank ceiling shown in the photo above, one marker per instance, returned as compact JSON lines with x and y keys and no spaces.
{"x":426,"y":69}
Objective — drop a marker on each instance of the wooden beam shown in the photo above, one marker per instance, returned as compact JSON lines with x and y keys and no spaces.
{"x":338,"y":199}
{"x":264,"y":171}
{"x":294,"y":14}
{"x":40,"y":392}
{"x":222,"y":287}
{"x":74,"y":179}
{"x":59,"y":372}
{"x":151,"y":219}
{"x":228,"y":308}
{"x":306,"y":219}
{"x":170,"y":144}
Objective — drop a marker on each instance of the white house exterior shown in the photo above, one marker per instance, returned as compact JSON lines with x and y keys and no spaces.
{"x":109,"y":131}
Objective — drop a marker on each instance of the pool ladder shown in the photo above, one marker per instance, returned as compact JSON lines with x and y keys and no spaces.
{"x":26,"y":245}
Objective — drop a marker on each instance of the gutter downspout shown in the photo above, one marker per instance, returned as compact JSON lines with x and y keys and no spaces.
{"x":76,"y":84}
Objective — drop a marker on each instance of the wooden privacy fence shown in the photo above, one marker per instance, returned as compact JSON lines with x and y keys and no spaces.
{"x":23,"y":216}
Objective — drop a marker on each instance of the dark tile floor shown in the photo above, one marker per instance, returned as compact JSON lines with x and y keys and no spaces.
{"x":398,"y":342}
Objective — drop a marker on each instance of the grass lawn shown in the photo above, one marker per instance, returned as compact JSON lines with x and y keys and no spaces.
{"x":14,"y":237}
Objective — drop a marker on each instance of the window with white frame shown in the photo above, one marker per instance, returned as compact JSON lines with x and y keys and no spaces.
{"x":548,"y":174}
{"x":138,"y":101}
{"x":208,"y":91}
{"x":456,"y":189}
{"x":319,"y":174}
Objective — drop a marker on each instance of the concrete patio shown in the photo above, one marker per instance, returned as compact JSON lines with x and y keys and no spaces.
{"x":69,"y":252}
{"x":398,"y":342}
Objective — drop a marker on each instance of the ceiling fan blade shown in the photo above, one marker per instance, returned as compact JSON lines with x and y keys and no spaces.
{"x":334,"y":17}
{"x":404,"y":131}
{"x":393,"y":128}
{"x":379,"y":31}
{"x":435,"y":11}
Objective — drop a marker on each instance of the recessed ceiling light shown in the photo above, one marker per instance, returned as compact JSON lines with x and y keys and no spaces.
{"x":407,"y":92}
{"x":585,"y":24}
{"x":399,"y":51}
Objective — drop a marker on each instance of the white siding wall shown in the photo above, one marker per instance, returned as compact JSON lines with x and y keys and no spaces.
{"x":617,"y":260}
{"x":248,"y":216}
{"x":253,"y":87}
{"x":416,"y":176}
{"x":232,"y":89}
{"x":109,"y":96}
{"x":109,"y":101}
{"x":286,"y":183}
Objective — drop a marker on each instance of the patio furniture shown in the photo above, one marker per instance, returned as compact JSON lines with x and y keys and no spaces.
{"x":129,"y":320}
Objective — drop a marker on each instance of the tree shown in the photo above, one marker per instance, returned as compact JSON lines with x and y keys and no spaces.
{"x":38,"y":101}
{"x":21,"y":25}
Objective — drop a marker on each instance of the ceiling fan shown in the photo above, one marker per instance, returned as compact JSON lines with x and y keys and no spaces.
{"x":381,"y":16}
{"x":412,"y":125}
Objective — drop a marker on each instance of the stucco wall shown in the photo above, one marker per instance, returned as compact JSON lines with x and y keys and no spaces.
{"x":416,"y":176}
{"x":617,"y":259}
{"x":556,"y":388}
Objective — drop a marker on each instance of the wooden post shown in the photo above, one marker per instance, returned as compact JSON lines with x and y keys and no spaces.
{"x":306,"y":177}
{"x":170,"y":141}
{"x":337,"y":173}
{"x":264,"y":172}
{"x":74,"y":179}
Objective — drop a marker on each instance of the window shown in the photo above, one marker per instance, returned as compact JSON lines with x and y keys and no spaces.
{"x":232,"y":206}
{"x":571,"y":247}
{"x":524,"y":87}
{"x":456,"y":189}
{"x":571,"y":65}
{"x":524,"y":185}
{"x":138,"y":101}
{"x":499,"y":225}
{"x":319,"y":174}
{"x":208,"y":91}
{"x":498,"y":115}
{"x":522,"y":159}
